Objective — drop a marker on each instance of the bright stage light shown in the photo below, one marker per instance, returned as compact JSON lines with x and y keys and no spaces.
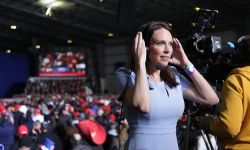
{"x":8,"y":51}
{"x":13,"y":27}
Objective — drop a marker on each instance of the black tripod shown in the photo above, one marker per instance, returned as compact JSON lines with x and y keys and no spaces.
{"x":186,"y":132}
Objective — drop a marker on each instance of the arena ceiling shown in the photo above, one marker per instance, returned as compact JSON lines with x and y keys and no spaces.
{"x":87,"y":22}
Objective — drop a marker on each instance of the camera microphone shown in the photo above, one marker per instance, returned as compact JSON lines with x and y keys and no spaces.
{"x":159,"y":67}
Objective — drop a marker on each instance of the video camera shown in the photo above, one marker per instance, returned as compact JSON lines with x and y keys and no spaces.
{"x":204,"y":19}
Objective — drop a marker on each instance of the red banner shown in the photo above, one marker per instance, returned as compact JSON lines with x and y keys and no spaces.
{"x":46,"y":74}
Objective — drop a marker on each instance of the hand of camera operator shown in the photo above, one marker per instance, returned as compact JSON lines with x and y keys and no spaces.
{"x":203,"y":122}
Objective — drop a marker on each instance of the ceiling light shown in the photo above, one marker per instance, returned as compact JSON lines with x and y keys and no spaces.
{"x":57,"y":4}
{"x":100,"y":1}
{"x":110,"y":34}
{"x":48,"y":12}
{"x":52,"y":3}
{"x":196,"y":8}
{"x":37,"y":46}
{"x":8,"y":51}
{"x":46,"y":2}
{"x":13,"y":27}
{"x":69,"y":41}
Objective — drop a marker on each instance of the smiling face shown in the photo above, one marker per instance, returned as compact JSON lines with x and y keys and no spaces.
{"x":160,"y":47}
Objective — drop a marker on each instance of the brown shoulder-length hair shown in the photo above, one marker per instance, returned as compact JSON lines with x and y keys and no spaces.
{"x":147,"y":31}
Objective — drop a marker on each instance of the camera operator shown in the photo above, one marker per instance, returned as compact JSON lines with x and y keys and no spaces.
{"x":232,"y":127}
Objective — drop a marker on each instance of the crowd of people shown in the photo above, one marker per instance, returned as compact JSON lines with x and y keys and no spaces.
{"x":59,"y":114}
{"x":71,"y":86}
{"x":62,"y":62}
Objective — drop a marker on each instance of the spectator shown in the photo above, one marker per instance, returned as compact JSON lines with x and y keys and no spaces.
{"x":7,"y":129}
{"x":47,"y":144}
{"x":48,"y":133}
{"x":37,"y":116}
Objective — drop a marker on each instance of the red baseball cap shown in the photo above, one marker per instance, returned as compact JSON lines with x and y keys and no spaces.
{"x":96,"y":101}
{"x":37,"y":111}
{"x":81,"y":100}
{"x":84,"y":105}
{"x":89,"y":112}
{"x":76,"y":114}
{"x":112,"y":117}
{"x":17,"y":106}
{"x":93,"y":131}
{"x":2,"y":110}
{"x":22,"y":130}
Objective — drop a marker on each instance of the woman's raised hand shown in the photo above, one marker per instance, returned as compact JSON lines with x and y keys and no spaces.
{"x":139,"y":49}
{"x":179,"y":56}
